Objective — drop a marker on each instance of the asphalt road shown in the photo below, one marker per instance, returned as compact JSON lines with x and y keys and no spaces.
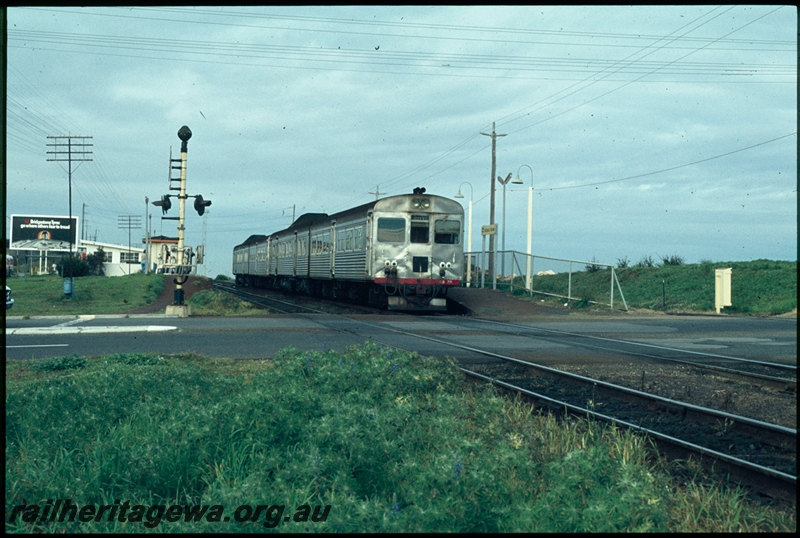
{"x":249,"y":338}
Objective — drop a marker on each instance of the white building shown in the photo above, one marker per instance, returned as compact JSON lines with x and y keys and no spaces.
{"x":119,"y":259}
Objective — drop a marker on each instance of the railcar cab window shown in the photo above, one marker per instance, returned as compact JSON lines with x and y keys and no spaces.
{"x":391,"y":230}
{"x":446,"y":232}
{"x":420,"y":229}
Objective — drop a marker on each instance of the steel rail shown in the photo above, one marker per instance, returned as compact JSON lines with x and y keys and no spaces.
{"x":643,"y":344}
{"x":745,"y":470}
{"x":780,"y":383}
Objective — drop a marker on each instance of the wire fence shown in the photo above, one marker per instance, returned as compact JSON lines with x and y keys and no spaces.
{"x":573,"y":280}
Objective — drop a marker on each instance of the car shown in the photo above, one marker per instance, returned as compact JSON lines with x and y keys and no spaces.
{"x":9,"y":300}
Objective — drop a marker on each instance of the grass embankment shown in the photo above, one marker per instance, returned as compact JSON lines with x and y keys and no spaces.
{"x":760,"y":287}
{"x":44,"y":295}
{"x":391,"y":441}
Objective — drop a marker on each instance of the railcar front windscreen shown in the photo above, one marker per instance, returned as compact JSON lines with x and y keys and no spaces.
{"x":446,"y":232}
{"x":391,"y":230}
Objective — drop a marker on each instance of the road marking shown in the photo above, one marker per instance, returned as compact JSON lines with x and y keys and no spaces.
{"x":89,"y":330}
{"x":40,"y":345}
{"x":75,"y":321}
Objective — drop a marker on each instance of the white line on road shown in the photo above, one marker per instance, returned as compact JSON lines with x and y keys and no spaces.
{"x":40,"y":345}
{"x":89,"y":330}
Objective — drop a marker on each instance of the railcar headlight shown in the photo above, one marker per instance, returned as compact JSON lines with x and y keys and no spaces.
{"x":441,"y":265}
{"x":420,"y":203}
{"x":448,"y":265}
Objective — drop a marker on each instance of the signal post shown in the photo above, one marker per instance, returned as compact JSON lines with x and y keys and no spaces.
{"x":183,"y":256}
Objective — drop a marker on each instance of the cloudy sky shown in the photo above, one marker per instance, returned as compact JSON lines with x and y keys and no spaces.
{"x":645,"y":131}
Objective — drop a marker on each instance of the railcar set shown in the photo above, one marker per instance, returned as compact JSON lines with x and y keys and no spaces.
{"x":400,"y":252}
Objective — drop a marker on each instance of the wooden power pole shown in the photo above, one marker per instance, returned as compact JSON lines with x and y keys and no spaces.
{"x":492,"y":244}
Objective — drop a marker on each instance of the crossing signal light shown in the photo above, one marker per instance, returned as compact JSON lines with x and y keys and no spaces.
{"x":164,"y":203}
{"x":200,"y":205}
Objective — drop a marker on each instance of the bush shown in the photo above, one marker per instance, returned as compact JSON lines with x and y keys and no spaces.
{"x":70,"y":266}
{"x":95,"y":262}
{"x":674,"y":259}
{"x":593,"y":267}
{"x":646,"y":261}
{"x":69,"y":362}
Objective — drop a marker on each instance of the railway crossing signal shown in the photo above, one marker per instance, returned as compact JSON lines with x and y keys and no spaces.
{"x":200,"y":205}
{"x":182,"y":265}
{"x":164,"y":204}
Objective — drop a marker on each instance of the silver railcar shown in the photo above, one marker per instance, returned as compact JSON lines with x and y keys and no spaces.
{"x":401,"y":252}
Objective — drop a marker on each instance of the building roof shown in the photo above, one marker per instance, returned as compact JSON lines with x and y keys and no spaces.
{"x":84,"y":244}
{"x":161,"y":239}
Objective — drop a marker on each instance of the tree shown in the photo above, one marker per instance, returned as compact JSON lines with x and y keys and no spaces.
{"x":95,"y":262}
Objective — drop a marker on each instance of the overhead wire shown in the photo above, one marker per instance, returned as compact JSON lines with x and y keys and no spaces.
{"x":515,"y":62}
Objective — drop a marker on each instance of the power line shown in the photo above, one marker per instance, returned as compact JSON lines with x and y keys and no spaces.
{"x":661,"y":171}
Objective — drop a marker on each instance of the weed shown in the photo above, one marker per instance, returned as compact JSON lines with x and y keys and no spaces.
{"x":68,"y":362}
{"x":592,"y":267}
{"x":646,"y":261}
{"x":673,"y":259}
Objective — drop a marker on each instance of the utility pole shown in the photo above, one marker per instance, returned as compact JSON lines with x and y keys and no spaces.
{"x":377,"y":192}
{"x":65,"y":150}
{"x":146,"y":236}
{"x":129,"y":221}
{"x":492,"y":252}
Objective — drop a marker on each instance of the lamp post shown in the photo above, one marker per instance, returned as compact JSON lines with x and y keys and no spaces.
{"x":503,"y":182}
{"x":518,"y":181}
{"x":469,"y":231}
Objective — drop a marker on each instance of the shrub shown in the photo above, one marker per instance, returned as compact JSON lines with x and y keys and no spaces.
{"x":646,"y":261}
{"x":593,"y":267}
{"x":674,"y":259}
{"x":69,"y":362}
{"x":72,"y":266}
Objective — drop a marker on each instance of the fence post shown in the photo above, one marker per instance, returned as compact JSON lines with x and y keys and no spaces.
{"x":569,"y":283}
{"x":612,"y":287}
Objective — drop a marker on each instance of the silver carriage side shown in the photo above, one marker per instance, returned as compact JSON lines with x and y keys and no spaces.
{"x":401,"y":252}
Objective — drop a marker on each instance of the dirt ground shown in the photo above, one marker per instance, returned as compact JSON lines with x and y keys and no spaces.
{"x":166,"y":297}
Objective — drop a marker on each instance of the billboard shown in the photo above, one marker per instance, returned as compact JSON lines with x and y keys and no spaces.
{"x":42,"y":232}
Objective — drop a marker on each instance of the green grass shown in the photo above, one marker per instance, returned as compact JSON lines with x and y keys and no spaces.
{"x":391,"y":441}
{"x":760,"y":287}
{"x":44,"y":295}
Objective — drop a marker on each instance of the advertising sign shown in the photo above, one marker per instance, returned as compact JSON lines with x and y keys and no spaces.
{"x":42,"y":232}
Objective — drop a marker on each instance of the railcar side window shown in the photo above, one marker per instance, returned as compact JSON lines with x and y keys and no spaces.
{"x":446,"y":232}
{"x":391,"y":230}
{"x":420,"y":229}
{"x":349,"y":240}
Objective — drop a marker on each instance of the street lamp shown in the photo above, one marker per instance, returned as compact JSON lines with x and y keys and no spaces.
{"x":504,"y":182}
{"x":469,"y":231}
{"x":518,"y":181}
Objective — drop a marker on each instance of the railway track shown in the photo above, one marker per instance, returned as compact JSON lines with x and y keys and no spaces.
{"x":757,"y":454}
{"x":294,"y":305}
{"x":778,"y":376}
